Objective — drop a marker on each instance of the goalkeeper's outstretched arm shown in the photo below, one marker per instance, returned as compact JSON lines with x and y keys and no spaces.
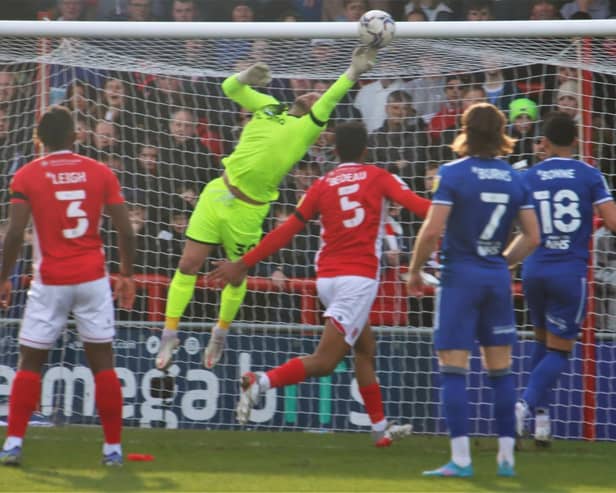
{"x":237,"y":87}
{"x":363,"y":60}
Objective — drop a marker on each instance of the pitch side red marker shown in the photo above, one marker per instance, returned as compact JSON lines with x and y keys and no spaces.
{"x":140,"y":457}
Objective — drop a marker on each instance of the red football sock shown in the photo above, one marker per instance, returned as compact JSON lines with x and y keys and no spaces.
{"x":109,"y":404}
{"x":373,"y":402}
{"x":293,"y":371}
{"x":25,"y":395}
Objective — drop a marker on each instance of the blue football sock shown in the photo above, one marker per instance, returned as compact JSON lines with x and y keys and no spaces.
{"x":503,"y":387}
{"x":539,"y":350}
{"x":455,"y":403}
{"x":544,"y":377}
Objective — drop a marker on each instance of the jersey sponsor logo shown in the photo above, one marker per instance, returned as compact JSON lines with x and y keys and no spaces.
{"x":553,"y":174}
{"x":346,"y":177}
{"x":491,"y":173}
{"x":69,"y":177}
{"x":435,"y":183}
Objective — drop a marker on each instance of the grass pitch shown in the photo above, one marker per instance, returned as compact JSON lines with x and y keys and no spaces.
{"x":67,"y":459}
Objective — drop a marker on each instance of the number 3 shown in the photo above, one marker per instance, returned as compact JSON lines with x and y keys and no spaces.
{"x":351,"y":205}
{"x":74,"y":198}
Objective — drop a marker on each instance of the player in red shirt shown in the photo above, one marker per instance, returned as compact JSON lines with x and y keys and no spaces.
{"x":352,"y":202}
{"x":65,"y":195}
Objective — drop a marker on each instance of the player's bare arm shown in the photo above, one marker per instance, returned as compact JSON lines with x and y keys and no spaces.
{"x":427,"y":242}
{"x":607,"y":211}
{"x":19,"y":216}
{"x":124,"y":289}
{"x":229,"y":272}
{"x":526,"y":240}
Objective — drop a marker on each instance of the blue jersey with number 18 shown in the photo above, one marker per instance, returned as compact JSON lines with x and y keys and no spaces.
{"x":564,"y":192}
{"x":485,"y":196}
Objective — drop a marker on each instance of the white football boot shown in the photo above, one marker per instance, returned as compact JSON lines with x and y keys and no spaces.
{"x":168,"y":344}
{"x":250,"y":391}
{"x":392,"y":433}
{"x":215,"y":347}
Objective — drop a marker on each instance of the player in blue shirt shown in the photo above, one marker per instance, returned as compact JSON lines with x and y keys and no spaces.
{"x":565,"y":191}
{"x":476,"y":201}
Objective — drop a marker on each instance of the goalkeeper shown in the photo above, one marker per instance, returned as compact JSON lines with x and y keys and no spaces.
{"x":232,"y":208}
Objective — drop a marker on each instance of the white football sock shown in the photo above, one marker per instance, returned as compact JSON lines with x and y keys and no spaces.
{"x":264,"y":382}
{"x":461,"y":451}
{"x":12,"y":442}
{"x":110,"y":448}
{"x":505,"y":450}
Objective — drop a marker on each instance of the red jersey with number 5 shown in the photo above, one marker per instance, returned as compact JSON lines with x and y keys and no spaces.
{"x":66,"y":193}
{"x":352,"y":201}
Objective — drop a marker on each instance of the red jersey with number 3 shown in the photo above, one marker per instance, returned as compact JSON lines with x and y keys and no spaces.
{"x":66,"y":193}
{"x":352,"y":201}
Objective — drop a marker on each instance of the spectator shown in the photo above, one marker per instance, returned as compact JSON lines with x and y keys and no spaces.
{"x":186,"y":160}
{"x":83,"y":134}
{"x":479,"y":10}
{"x":523,"y":115}
{"x":605,"y":278}
{"x":416,"y":15}
{"x":12,"y":155}
{"x":352,"y":10}
{"x":435,"y":10}
{"x":170,"y":238}
{"x":597,"y":9}
{"x":427,"y":90}
{"x":71,"y":10}
{"x":184,"y":11}
{"x":230,"y":51}
{"x":567,"y":99}
{"x":402,"y":140}
{"x":499,"y":89}
{"x":371,"y":100}
{"x":309,"y":10}
{"x":451,"y":109}
{"x":543,"y":10}
{"x":79,"y":99}
{"x":116,"y":107}
{"x":139,"y":10}
{"x":146,"y":178}
{"x":17,"y":100}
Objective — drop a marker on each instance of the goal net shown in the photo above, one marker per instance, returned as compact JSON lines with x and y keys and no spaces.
{"x":151,"y":108}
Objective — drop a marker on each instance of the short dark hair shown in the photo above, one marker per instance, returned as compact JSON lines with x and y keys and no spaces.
{"x":559,"y":128}
{"x":399,"y":96}
{"x":56,"y":129}
{"x":351,"y":141}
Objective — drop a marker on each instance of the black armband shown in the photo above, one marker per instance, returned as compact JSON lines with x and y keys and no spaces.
{"x":318,"y":122}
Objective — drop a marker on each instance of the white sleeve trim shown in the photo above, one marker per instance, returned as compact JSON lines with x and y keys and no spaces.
{"x":601,"y":201}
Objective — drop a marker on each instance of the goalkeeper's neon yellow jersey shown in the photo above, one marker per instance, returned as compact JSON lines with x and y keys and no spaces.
{"x":273,"y":141}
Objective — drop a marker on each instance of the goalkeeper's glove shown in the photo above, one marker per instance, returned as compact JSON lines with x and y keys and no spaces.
{"x":258,"y":74}
{"x":363,"y":60}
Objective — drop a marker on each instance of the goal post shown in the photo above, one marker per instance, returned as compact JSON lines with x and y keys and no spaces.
{"x":147,"y":101}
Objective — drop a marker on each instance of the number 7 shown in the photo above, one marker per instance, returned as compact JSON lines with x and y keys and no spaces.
{"x":497,"y":214}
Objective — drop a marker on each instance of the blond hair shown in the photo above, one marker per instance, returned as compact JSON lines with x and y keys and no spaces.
{"x":483,"y":133}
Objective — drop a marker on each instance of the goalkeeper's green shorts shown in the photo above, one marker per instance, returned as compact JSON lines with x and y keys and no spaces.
{"x":220,"y":218}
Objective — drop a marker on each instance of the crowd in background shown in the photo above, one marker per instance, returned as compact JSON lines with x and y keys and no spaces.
{"x":165,"y":136}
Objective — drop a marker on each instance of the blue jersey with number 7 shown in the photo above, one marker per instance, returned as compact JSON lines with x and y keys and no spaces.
{"x":485,"y":196}
{"x":564,"y":192}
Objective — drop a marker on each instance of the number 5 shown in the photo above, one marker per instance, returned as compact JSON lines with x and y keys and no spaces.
{"x":351,"y":205}
{"x":74,"y":198}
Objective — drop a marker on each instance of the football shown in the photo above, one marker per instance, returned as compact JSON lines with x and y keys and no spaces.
{"x":376,"y":28}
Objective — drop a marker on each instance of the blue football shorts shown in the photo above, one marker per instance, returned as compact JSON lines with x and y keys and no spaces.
{"x":476,"y":311}
{"x":556,"y":303}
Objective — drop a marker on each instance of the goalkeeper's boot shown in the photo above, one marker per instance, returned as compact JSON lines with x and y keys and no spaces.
{"x":215,"y":347}
{"x":10,"y":457}
{"x":250,"y":390}
{"x":521,"y":413}
{"x":451,"y":470}
{"x":505,"y":469}
{"x":392,"y":433}
{"x":543,"y":432}
{"x":168,"y":343}
{"x":114,"y":459}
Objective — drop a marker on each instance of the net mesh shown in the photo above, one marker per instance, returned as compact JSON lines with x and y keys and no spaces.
{"x":153,"y":110}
